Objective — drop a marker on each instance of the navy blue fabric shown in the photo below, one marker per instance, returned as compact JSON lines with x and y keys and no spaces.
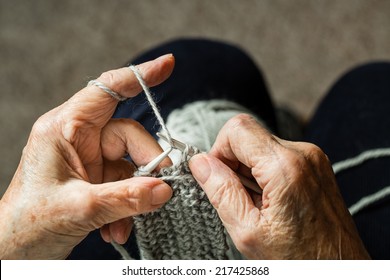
{"x":204,"y":70}
{"x":353,"y":118}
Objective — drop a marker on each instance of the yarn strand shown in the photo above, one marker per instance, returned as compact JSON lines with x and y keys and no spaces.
{"x":369,"y":200}
{"x":358,"y":160}
{"x":151,"y":102}
{"x":121,"y":250}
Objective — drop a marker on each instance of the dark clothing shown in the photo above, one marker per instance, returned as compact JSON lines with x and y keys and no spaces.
{"x":352,"y":118}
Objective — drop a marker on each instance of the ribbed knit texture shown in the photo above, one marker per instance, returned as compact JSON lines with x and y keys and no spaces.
{"x":186,"y":227}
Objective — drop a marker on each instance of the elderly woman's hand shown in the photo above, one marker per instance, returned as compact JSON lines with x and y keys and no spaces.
{"x":301,"y":214}
{"x":63,"y":187}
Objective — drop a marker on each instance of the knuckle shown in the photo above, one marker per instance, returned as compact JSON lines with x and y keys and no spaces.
{"x":88,"y":205}
{"x":97,"y":207}
{"x":247,"y":239}
{"x":314,"y":151}
{"x":224,"y":193}
{"x":107,"y":76}
{"x":43,"y":126}
{"x":315,"y":155}
{"x":241,"y":121}
{"x":304,"y":167}
{"x":292,"y":159}
{"x":138,"y":200}
{"x":72,"y":126}
{"x":89,"y":210}
{"x":111,"y":79}
{"x":126,"y":123}
{"x":294,"y":166}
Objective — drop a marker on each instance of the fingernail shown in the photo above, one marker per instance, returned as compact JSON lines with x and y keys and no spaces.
{"x":107,"y":239}
{"x":164,"y":56}
{"x":105,"y":233}
{"x":118,"y":237}
{"x":161,"y":194}
{"x":200,"y":168}
{"x":121,"y":236}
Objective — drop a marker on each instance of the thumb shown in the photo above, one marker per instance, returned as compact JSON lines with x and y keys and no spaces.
{"x":117,"y":200}
{"x":225,"y":192}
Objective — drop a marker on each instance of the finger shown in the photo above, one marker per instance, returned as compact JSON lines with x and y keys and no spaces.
{"x":120,"y":230}
{"x":117,"y":170}
{"x":237,"y":140}
{"x":110,"y":202}
{"x":225,"y":192}
{"x":243,"y":141}
{"x":94,"y":107}
{"x":122,"y":136}
{"x":83,"y":116}
{"x":105,"y":233}
{"x":153,"y":72}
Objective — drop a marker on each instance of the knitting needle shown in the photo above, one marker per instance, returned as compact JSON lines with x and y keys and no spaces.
{"x":246,"y":182}
{"x":178,"y":144}
{"x":147,"y":169}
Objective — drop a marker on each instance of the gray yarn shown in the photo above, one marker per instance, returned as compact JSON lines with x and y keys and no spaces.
{"x":152,"y":103}
{"x":106,"y":89}
{"x":186,"y":227}
{"x":349,"y":163}
{"x":198,"y":123}
{"x":121,"y":250}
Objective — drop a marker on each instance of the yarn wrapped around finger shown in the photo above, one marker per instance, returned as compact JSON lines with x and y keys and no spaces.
{"x":106,"y":89}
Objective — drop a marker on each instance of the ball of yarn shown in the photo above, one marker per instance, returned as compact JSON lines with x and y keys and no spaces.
{"x":199,"y":123}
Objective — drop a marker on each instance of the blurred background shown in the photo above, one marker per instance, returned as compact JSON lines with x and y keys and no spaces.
{"x":50,"y":49}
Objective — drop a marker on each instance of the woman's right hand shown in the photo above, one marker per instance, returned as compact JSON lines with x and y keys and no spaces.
{"x":72,"y":177}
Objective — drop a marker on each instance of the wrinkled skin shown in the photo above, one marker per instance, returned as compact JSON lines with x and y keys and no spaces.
{"x":72,"y":179}
{"x":300,"y":214}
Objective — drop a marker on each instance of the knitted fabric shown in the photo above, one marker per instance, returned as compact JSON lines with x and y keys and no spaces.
{"x":186,"y":227}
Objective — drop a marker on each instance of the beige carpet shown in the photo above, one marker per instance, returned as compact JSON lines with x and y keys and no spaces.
{"x":49,"y":49}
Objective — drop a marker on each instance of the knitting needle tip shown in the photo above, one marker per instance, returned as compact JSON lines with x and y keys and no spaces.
{"x":147,"y":169}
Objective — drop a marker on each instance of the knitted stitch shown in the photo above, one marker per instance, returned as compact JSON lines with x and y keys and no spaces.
{"x":186,"y":227}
